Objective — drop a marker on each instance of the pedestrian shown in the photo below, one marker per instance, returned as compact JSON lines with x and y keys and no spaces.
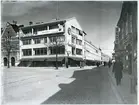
{"x":97,"y":64}
{"x":109,"y":63}
{"x":117,"y":70}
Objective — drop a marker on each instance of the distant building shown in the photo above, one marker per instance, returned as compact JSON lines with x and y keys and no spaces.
{"x":10,"y":30}
{"x":92,"y":54}
{"x":38,"y":45}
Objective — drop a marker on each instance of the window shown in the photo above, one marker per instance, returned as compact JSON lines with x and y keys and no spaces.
{"x":60,"y":39}
{"x":45,"y":40}
{"x":27,"y":31}
{"x":96,"y":51}
{"x":130,"y":23}
{"x":78,"y":42}
{"x":27,"y":52}
{"x":60,"y":50}
{"x":73,"y":39}
{"x":37,"y":40}
{"x":78,"y":51}
{"x":73,"y":51}
{"x":73,"y":29}
{"x":53,"y":26}
{"x":26,"y":42}
{"x":80,"y":33}
{"x":40,"y":51}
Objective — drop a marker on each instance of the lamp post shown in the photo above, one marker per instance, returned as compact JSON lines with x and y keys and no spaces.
{"x":67,"y":65}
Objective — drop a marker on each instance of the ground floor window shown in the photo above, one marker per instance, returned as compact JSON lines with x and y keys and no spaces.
{"x":40,"y":51}
{"x":59,"y":49}
{"x":78,"y":51}
{"x":27,"y":52}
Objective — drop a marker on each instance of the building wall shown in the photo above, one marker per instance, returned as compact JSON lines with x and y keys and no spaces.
{"x":67,"y":43}
{"x":127,"y":39}
{"x":91,"y":52}
{"x":15,"y":52}
{"x":69,"y":34}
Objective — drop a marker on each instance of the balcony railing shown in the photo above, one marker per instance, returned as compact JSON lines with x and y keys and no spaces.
{"x":43,"y":32}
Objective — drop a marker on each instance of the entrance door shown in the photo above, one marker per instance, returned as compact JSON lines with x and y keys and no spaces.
{"x":13,"y":61}
{"x":5,"y":61}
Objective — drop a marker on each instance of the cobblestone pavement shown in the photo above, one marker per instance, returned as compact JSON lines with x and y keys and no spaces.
{"x":89,"y":87}
{"x":33,"y":86}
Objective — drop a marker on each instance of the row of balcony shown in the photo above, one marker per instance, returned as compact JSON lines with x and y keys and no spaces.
{"x":44,"y":32}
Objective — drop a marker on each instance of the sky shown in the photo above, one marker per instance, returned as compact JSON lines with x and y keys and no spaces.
{"x":97,"y":18}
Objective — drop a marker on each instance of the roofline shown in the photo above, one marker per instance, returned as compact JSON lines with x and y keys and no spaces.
{"x":91,"y":44}
{"x":57,"y":21}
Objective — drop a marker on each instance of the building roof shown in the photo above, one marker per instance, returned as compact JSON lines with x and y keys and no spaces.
{"x":46,"y":23}
{"x":90,"y":43}
{"x":15,"y":27}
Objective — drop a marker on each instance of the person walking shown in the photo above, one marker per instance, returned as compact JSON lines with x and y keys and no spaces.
{"x":117,"y":69}
{"x":109,"y":63}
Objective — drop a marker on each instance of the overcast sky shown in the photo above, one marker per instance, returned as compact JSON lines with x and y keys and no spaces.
{"x":97,"y":18}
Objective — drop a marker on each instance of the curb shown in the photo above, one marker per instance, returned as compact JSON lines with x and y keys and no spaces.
{"x":115,"y":90}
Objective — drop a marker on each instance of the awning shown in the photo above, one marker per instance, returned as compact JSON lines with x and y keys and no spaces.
{"x":54,"y":59}
{"x":32,"y":59}
{"x":77,"y":59}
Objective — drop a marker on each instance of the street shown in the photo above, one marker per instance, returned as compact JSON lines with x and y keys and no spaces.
{"x":90,"y":87}
{"x":67,"y":86}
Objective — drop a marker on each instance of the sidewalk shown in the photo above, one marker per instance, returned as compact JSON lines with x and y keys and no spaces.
{"x":123,"y":90}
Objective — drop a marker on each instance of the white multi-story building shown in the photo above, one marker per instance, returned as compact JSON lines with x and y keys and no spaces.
{"x":40,"y":43}
{"x":92,"y":54}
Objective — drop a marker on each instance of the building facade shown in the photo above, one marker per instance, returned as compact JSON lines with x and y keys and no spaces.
{"x":41,"y":43}
{"x":92,"y":54}
{"x":126,"y":38}
{"x":11,"y":30}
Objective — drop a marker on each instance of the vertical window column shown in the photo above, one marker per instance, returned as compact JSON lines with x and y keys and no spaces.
{"x":33,"y":52}
{"x":32,"y":41}
{"x":32,"y":31}
{"x":47,"y":27}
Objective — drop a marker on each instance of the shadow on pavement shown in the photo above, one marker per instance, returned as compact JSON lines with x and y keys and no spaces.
{"x":84,"y":90}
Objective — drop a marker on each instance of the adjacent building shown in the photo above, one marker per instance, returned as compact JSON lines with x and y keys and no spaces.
{"x":10,"y":32}
{"x":126,"y":38}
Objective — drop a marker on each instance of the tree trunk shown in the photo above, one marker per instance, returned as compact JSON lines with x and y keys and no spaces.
{"x":8,"y":60}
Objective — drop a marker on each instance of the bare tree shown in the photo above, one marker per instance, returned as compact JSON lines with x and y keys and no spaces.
{"x":9,"y":44}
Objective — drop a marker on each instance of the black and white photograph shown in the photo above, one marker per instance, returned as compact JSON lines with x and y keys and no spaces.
{"x":69,"y":52}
